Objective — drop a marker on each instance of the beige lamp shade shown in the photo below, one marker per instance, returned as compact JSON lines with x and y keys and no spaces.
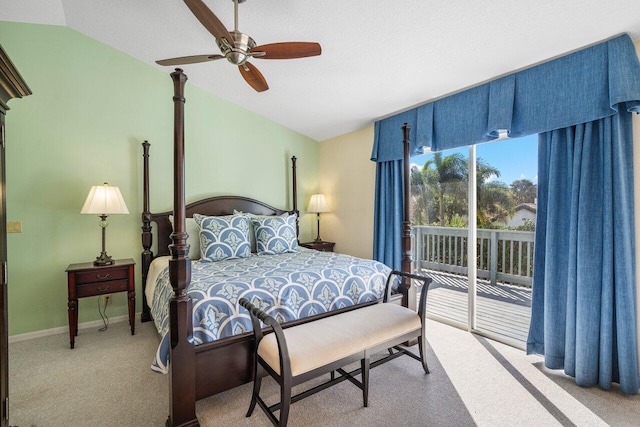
{"x":318,"y":204}
{"x":104,"y":200}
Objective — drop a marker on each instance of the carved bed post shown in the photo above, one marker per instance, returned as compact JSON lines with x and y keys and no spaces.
{"x":408,"y":294}
{"x":182,"y":390}
{"x":294,"y":184}
{"x":147,"y":237}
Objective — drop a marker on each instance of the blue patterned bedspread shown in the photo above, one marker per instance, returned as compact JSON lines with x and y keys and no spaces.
{"x":287,"y":286}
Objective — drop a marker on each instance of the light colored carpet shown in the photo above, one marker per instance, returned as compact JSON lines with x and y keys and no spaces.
{"x":106,"y":381}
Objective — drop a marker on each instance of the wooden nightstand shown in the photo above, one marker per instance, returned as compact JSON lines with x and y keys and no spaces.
{"x":87,"y":280}
{"x":322,"y":246}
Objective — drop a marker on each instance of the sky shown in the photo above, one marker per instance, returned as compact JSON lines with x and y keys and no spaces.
{"x":516,"y":158}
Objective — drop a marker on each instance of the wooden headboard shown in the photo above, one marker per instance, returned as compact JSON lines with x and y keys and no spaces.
{"x":213,"y":206}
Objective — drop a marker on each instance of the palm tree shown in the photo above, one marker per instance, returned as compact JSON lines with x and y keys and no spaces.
{"x":443,"y":182}
{"x":440,"y":174}
{"x":495,"y":201}
{"x":495,"y":204}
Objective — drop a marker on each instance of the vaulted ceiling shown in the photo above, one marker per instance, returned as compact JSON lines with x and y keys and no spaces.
{"x":378,"y":56}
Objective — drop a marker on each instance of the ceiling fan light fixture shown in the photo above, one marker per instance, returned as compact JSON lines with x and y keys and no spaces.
{"x":239,"y":54}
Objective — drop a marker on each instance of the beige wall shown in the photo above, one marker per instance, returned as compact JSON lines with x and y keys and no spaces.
{"x":347,"y":178}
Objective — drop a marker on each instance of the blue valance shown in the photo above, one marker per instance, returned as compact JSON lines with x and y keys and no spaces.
{"x":578,"y":88}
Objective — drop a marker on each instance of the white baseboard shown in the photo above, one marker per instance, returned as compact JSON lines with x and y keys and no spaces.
{"x":65,"y":329}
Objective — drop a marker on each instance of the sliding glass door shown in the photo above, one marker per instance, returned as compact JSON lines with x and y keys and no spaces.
{"x":439,"y":185}
{"x":506,"y":184}
{"x":484,"y":194}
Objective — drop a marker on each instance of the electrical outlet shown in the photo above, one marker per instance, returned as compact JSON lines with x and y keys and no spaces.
{"x":14,"y":226}
{"x":107,"y":300}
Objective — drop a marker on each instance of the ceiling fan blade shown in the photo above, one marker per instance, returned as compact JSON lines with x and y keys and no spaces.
{"x":288,"y":50}
{"x":253,"y":77}
{"x":189,"y":59}
{"x":209,"y":20}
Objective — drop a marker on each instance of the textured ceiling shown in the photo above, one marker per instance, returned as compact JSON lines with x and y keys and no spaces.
{"x":378,"y":56}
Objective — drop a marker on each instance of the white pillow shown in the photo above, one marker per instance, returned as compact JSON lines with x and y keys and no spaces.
{"x":193,"y":230}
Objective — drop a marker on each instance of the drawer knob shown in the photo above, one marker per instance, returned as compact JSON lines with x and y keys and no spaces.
{"x":102,"y":277}
{"x":106,"y":288}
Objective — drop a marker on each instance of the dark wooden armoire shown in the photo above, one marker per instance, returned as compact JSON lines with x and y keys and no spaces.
{"x":11,"y":86}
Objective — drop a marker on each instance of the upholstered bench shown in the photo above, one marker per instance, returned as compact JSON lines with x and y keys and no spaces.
{"x":299,"y":353}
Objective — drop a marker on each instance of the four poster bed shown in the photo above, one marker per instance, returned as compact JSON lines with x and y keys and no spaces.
{"x":297,"y":284}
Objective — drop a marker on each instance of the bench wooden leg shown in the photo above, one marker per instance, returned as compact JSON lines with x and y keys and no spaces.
{"x":285,"y":401}
{"x":423,"y":355}
{"x":257,"y":382}
{"x":364,"y":364}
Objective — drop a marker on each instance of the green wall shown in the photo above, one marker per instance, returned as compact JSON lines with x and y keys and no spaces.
{"x":91,"y":108}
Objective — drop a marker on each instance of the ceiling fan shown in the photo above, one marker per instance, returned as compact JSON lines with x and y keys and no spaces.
{"x":238,"y":47}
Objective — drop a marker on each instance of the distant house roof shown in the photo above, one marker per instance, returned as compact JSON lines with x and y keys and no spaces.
{"x":531,"y":207}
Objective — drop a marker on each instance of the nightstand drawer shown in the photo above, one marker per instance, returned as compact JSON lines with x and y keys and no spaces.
{"x":101,"y":276}
{"x":101,"y":288}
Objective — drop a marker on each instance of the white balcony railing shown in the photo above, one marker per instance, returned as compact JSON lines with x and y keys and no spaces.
{"x":503,"y":255}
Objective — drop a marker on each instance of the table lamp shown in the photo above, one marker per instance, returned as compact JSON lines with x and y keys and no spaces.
{"x":104,"y":200}
{"x":318,"y":204}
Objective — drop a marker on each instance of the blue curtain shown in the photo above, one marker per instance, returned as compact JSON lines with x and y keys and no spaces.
{"x":388,"y":213}
{"x":587,"y":85}
{"x":584,"y":292}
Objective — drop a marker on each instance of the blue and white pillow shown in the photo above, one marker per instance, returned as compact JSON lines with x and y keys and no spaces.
{"x":223,"y":237}
{"x":252,"y":230}
{"x":275,"y":234}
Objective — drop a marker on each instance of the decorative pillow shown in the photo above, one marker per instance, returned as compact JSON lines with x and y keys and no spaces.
{"x":252,"y":231}
{"x":193,"y":230}
{"x":275,"y":234}
{"x":223,"y":237}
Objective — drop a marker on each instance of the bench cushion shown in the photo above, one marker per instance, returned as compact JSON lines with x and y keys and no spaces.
{"x":318,"y":343}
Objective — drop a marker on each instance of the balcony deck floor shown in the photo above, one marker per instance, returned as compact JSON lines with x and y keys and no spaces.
{"x":501,"y":309}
